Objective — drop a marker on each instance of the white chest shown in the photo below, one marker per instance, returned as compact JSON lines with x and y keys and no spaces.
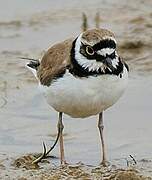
{"x":86,"y":96}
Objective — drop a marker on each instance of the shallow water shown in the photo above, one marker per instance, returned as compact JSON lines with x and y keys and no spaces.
{"x":28,"y":29}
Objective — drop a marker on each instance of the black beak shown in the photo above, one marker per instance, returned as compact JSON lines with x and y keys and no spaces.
{"x":108,"y":62}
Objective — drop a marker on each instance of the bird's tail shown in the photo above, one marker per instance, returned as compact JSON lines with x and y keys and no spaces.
{"x":32,"y":65}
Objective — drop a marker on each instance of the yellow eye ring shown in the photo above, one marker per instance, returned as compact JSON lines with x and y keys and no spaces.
{"x":89,"y":50}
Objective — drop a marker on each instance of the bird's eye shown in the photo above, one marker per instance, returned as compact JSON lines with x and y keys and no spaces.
{"x":89,"y":50}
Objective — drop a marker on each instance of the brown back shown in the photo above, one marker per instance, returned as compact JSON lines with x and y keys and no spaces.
{"x":54,"y":62}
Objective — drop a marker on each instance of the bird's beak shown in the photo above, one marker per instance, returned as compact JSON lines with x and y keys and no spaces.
{"x":108,"y":63}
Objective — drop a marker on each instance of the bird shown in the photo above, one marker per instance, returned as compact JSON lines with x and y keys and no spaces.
{"x":81,"y":77}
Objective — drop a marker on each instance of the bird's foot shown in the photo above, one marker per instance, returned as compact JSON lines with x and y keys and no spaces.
{"x":104,"y":163}
{"x":64,"y":163}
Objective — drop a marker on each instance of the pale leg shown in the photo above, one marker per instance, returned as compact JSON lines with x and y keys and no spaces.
{"x":101,"y":127}
{"x":60,"y":126}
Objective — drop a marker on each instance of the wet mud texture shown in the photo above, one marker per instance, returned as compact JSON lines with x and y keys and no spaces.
{"x":24,"y":170}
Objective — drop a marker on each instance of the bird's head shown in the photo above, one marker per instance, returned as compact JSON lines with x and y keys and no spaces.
{"x":95,"y":50}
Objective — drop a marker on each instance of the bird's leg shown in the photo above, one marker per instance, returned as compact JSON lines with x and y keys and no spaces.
{"x":61,"y":127}
{"x":101,"y":127}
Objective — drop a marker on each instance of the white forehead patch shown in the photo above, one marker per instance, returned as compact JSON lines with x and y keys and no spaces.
{"x":105,"y":51}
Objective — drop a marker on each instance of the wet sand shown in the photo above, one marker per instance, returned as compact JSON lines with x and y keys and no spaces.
{"x":26,"y":120}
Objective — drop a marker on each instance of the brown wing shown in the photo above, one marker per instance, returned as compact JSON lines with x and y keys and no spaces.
{"x":54,"y":62}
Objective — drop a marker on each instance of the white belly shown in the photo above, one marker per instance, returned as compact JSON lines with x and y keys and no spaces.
{"x":86,"y":96}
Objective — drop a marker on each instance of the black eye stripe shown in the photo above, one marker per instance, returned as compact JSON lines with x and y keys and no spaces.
{"x":107,"y":43}
{"x":98,"y":57}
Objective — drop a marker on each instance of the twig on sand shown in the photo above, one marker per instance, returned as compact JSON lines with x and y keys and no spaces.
{"x":131,"y":162}
{"x":135,"y":162}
